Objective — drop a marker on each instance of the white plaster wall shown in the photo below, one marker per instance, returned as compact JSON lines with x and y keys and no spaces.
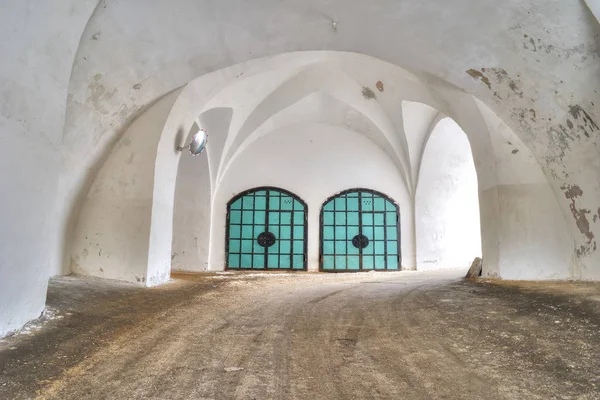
{"x":545,"y":244}
{"x":521,"y":56}
{"x":192,"y":207}
{"x":417,"y":122}
{"x":318,"y":108}
{"x":313,"y":161}
{"x":38,"y":44}
{"x":448,"y":232}
{"x":150,"y":176}
{"x":191,"y":214}
{"x":533,"y":234}
{"x":222,"y":127}
{"x":594,"y":6}
{"x":112,"y":237}
{"x":368,"y":117}
{"x":332,"y":81}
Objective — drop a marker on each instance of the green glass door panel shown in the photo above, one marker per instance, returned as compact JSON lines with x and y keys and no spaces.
{"x":285,"y":233}
{"x":246,"y":261}
{"x":266,"y":229}
{"x":341,"y":262}
{"x":353,"y":263}
{"x":359,"y":231}
{"x":368,"y":262}
{"x":298,"y":261}
{"x":233,"y":260}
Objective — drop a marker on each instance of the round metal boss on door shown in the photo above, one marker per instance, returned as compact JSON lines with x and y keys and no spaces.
{"x":266,"y":239}
{"x":360,"y":241}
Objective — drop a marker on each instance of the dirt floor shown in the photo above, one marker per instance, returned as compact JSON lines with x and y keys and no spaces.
{"x":408,"y":335}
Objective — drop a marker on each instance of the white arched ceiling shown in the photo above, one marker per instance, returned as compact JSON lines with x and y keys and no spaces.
{"x":244,"y":94}
{"x":338,"y":85}
{"x":216,"y":121}
{"x":182,"y":115}
{"x":418,"y":121}
{"x":320,"y":107}
{"x":194,"y":97}
{"x":460,"y":105}
{"x":521,"y":56}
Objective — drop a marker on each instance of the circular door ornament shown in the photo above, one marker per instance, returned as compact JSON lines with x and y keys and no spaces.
{"x":266,"y":239}
{"x":360,"y":241}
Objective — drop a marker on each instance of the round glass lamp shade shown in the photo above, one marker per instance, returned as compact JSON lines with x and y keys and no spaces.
{"x":198,"y":142}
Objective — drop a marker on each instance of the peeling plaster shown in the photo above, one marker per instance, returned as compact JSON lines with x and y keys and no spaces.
{"x":368,"y":93}
{"x":98,"y":94}
{"x":500,"y":77}
{"x":479,"y":75}
{"x":572,"y":192}
{"x":587,"y":124}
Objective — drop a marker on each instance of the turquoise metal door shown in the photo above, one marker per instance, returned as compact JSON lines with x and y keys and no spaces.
{"x":360,"y":231}
{"x":266,"y":229}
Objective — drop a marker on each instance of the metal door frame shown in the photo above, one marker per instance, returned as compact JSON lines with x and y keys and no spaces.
{"x":321,"y":226}
{"x":267,"y":188}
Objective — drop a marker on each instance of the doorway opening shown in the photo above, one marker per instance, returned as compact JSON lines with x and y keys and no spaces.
{"x":447,"y":216}
{"x":266,"y":229}
{"x":360,"y":231}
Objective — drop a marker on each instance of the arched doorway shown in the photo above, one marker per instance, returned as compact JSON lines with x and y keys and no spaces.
{"x":360,"y":231}
{"x":266,"y":229}
{"x":447,"y":216}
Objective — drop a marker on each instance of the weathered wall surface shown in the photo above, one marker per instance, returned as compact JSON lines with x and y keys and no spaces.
{"x":254,"y":107}
{"x":534,"y":62}
{"x":313,"y":161}
{"x":533,"y":237}
{"x":447,"y":225}
{"x":238,"y":111}
{"x":193,"y":200}
{"x":191,"y":215}
{"x":38,"y":45}
{"x":112,"y":238}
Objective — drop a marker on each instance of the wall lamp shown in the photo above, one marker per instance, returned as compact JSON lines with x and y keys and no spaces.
{"x":198,"y":142}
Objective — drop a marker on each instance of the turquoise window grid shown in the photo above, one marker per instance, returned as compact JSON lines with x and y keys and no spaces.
{"x":280,"y":216}
{"x":360,"y":231}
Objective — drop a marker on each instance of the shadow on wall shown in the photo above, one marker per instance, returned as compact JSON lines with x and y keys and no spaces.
{"x":179,"y":139}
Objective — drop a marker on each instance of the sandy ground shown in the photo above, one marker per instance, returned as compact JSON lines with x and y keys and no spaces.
{"x":402,"y":335}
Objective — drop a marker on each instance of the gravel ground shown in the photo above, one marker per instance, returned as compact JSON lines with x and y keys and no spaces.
{"x":407,"y":335}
